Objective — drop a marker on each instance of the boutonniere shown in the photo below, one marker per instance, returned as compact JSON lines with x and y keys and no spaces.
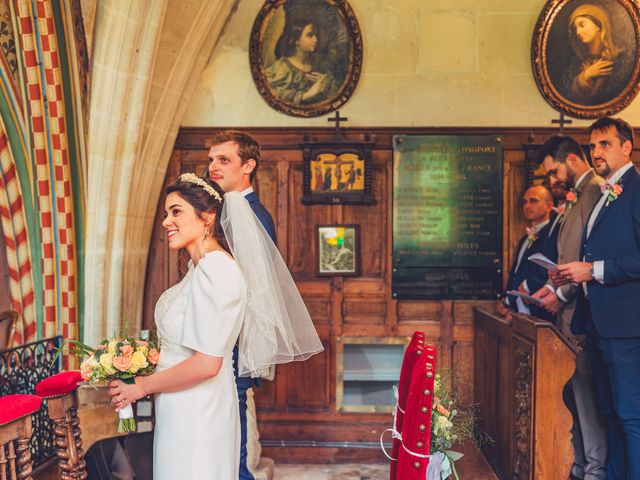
{"x":611,"y":191}
{"x":571,"y":197}
{"x":532,"y":236}
{"x":560,"y":209}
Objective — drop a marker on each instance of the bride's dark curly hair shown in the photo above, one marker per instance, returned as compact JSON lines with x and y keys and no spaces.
{"x":203,"y":202}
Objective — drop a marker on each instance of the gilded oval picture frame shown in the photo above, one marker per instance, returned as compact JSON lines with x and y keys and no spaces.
{"x":306,"y":55}
{"x":585,"y":55}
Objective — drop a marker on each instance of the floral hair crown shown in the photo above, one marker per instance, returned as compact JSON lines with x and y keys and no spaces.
{"x":191,"y":178}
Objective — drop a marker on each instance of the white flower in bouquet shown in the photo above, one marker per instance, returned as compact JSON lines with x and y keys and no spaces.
{"x":120,"y":358}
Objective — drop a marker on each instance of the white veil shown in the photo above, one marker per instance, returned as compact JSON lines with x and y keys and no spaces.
{"x":277,"y":327}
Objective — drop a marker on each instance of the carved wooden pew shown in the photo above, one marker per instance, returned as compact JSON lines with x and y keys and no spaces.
{"x":62,"y":399}
{"x":15,"y":433}
{"x":520,"y":370}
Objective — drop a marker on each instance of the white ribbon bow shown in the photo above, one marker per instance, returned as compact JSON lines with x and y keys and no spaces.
{"x":439,"y":467}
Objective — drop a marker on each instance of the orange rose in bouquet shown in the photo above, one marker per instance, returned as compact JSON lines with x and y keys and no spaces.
{"x":119,"y":358}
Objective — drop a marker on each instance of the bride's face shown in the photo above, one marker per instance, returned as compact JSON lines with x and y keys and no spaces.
{"x":181,"y":222}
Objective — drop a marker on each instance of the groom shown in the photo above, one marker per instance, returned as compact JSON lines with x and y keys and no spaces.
{"x":234,"y":158}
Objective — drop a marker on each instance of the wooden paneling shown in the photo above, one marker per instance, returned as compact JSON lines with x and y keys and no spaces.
{"x":419,"y":311}
{"x":302,"y":221}
{"x":267,"y":400}
{"x":372,"y":224}
{"x":365,"y":310}
{"x":312,"y":380}
{"x":462,"y":370}
{"x":317,"y":296}
{"x":300,"y":403}
{"x":265,"y":184}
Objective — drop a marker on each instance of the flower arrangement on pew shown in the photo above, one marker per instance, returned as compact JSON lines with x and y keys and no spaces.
{"x":427,"y":419}
{"x":443,"y":429}
{"x":119,"y":358}
{"x":449,"y":426}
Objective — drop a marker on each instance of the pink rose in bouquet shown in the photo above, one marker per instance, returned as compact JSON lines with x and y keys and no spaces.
{"x":118,"y":358}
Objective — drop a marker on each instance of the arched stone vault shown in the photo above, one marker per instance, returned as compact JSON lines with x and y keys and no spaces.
{"x":147,"y":57}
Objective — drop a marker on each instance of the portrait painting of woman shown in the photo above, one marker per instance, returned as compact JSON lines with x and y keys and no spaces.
{"x":292,"y":76}
{"x":585,"y":55}
{"x":597,"y":76}
{"x":305,"y":56}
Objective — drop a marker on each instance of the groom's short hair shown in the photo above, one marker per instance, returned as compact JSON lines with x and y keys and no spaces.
{"x":248,"y":147}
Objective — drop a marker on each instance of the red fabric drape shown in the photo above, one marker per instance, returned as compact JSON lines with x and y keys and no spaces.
{"x":416,"y":425}
{"x":411,"y":355}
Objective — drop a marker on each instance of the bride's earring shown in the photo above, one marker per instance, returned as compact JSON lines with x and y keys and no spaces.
{"x":207,"y":233}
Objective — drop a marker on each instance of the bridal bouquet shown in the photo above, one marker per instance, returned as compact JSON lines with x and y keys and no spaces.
{"x":119,"y":358}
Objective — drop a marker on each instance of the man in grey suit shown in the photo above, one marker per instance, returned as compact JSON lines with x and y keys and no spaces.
{"x":564,"y":161}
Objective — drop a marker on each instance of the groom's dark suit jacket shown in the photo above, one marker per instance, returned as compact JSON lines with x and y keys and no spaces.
{"x":263,"y":215}
{"x":267,"y":222}
{"x":614,"y":238}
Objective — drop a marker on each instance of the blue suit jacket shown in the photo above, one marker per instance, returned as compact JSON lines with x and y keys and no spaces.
{"x":263,"y":215}
{"x":535,"y":275}
{"x":539,"y":275}
{"x":614,"y":238}
{"x":267,"y":221}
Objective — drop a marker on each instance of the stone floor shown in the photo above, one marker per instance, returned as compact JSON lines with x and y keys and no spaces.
{"x":473,"y":466}
{"x":332,"y":472}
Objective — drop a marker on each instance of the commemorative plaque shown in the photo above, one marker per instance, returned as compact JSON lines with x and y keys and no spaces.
{"x":447,"y":217}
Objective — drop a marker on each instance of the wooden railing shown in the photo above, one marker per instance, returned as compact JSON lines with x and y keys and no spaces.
{"x":520,"y":369}
{"x":15,"y":432}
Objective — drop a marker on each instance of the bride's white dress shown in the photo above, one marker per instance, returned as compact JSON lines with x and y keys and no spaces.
{"x":197,"y":432}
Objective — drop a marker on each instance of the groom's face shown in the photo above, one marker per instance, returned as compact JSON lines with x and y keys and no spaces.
{"x":227,"y":169}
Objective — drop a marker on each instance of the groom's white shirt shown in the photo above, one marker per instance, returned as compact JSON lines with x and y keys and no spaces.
{"x":246,"y":191}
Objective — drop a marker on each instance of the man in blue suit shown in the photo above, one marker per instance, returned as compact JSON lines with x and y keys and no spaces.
{"x":524,"y":275}
{"x":608,"y":308}
{"x":234,"y":158}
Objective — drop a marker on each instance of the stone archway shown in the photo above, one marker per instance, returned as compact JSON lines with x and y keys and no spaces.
{"x":137,"y":102}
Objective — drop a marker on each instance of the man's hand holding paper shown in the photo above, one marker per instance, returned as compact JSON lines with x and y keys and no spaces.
{"x":543,"y":261}
{"x":525,"y":297}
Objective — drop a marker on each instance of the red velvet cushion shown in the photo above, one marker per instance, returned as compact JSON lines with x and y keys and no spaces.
{"x":17,"y":406}
{"x":58,"y":384}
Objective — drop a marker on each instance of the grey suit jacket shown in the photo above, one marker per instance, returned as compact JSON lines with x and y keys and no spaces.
{"x":569,"y":237}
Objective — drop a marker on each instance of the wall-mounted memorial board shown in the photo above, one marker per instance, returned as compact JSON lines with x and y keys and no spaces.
{"x":447,"y":217}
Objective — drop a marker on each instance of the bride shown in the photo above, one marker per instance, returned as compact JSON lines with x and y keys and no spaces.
{"x":237,"y":289}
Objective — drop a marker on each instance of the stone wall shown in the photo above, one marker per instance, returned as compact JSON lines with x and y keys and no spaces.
{"x":426,"y":63}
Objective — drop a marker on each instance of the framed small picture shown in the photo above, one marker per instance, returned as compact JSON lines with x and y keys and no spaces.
{"x":306,"y":55}
{"x":338,"y":248}
{"x":585,"y":55}
{"x":337,"y":172}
